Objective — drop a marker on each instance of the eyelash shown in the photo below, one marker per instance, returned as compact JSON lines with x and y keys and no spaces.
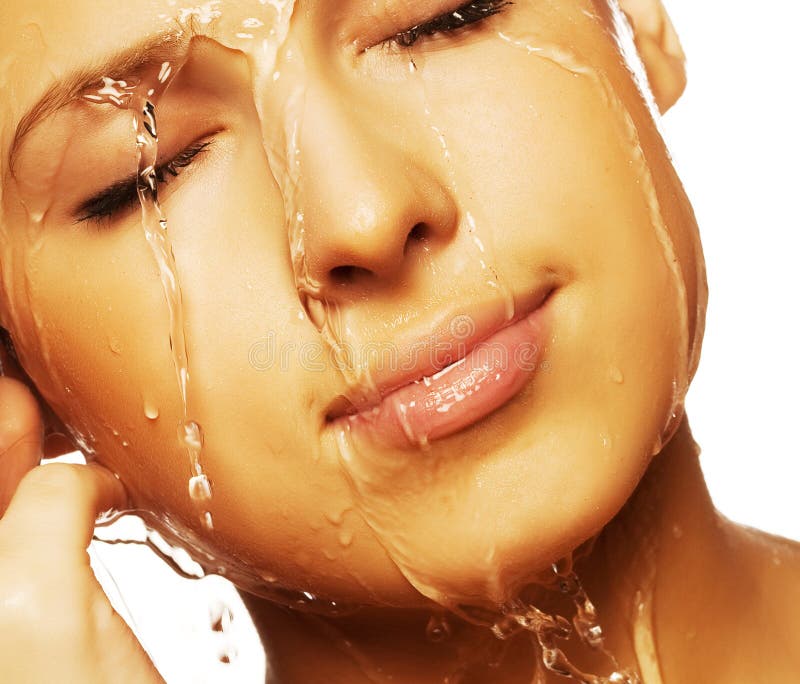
{"x":122,"y":194}
{"x":469,"y":13}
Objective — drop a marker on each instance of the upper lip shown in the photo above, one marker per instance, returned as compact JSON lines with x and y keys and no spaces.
{"x":444,"y":340}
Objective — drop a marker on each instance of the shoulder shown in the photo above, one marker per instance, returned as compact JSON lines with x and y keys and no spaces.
{"x":772,"y":565}
{"x":763,"y":550}
{"x":764,"y":556}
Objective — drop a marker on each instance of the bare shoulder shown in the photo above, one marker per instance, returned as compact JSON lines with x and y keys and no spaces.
{"x":772,"y":564}
{"x":764,"y":549}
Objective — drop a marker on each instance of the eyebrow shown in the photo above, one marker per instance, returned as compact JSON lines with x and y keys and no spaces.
{"x":169,"y":46}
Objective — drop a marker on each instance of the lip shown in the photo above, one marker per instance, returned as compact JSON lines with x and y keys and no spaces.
{"x":470,"y":365}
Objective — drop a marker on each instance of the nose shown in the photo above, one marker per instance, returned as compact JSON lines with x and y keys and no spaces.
{"x":369,"y":205}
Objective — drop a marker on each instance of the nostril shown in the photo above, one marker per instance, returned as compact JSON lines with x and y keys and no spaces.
{"x":347,"y":274}
{"x":419,"y":232}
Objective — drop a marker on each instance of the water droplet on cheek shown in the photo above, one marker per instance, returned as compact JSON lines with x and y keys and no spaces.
{"x":115,"y":346}
{"x":200,"y":488}
{"x":191,"y":435}
{"x":150,"y":411}
{"x":316,"y":312}
{"x":336,"y":516}
{"x":346,"y":538}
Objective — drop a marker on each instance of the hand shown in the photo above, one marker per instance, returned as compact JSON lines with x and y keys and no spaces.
{"x":56,"y":624}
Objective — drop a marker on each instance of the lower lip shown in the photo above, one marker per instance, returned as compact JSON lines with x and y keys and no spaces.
{"x":459,"y":395}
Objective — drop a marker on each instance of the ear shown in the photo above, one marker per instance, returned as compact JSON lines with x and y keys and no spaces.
{"x":56,"y":436}
{"x":659,"y":48}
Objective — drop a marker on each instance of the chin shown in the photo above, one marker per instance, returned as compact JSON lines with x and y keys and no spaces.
{"x":507,"y":499}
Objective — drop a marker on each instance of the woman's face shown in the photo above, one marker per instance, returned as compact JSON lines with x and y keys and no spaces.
{"x":411,"y":195}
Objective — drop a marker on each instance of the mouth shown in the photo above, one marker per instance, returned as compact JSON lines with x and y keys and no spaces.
{"x":475,"y":365}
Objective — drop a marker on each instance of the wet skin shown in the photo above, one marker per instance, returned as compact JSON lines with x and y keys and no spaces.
{"x":570,"y":189}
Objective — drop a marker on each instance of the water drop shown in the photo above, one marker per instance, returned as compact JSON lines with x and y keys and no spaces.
{"x":336,"y":516}
{"x":191,"y":435}
{"x":346,"y":538}
{"x":200,"y":488}
{"x":221,"y":616}
{"x":505,"y":628}
{"x":438,"y":629}
{"x":165,"y":72}
{"x":150,"y":411}
{"x":616,"y":375}
{"x":316,"y":312}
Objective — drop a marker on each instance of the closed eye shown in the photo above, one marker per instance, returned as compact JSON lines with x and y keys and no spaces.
{"x":467,"y":14}
{"x":122,"y":195}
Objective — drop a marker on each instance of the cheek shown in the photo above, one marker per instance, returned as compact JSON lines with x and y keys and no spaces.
{"x":263,"y":379}
{"x":555,"y":178}
{"x":102,"y":356}
{"x":562,"y":186}
{"x":259,"y":376}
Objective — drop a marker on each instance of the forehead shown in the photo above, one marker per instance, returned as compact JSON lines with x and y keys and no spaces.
{"x":41,"y":41}
{"x":46,"y":45}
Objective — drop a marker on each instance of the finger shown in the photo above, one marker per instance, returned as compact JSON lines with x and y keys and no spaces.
{"x":21,"y":435}
{"x":55,"y":507}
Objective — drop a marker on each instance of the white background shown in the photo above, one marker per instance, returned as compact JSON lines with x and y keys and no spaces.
{"x":735,"y":141}
{"x":736,"y":146}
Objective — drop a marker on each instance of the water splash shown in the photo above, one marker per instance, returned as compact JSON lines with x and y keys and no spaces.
{"x":194,"y":558}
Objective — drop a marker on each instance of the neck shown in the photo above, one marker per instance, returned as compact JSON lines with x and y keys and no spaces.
{"x":652,"y":570}
{"x":637,"y":573}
